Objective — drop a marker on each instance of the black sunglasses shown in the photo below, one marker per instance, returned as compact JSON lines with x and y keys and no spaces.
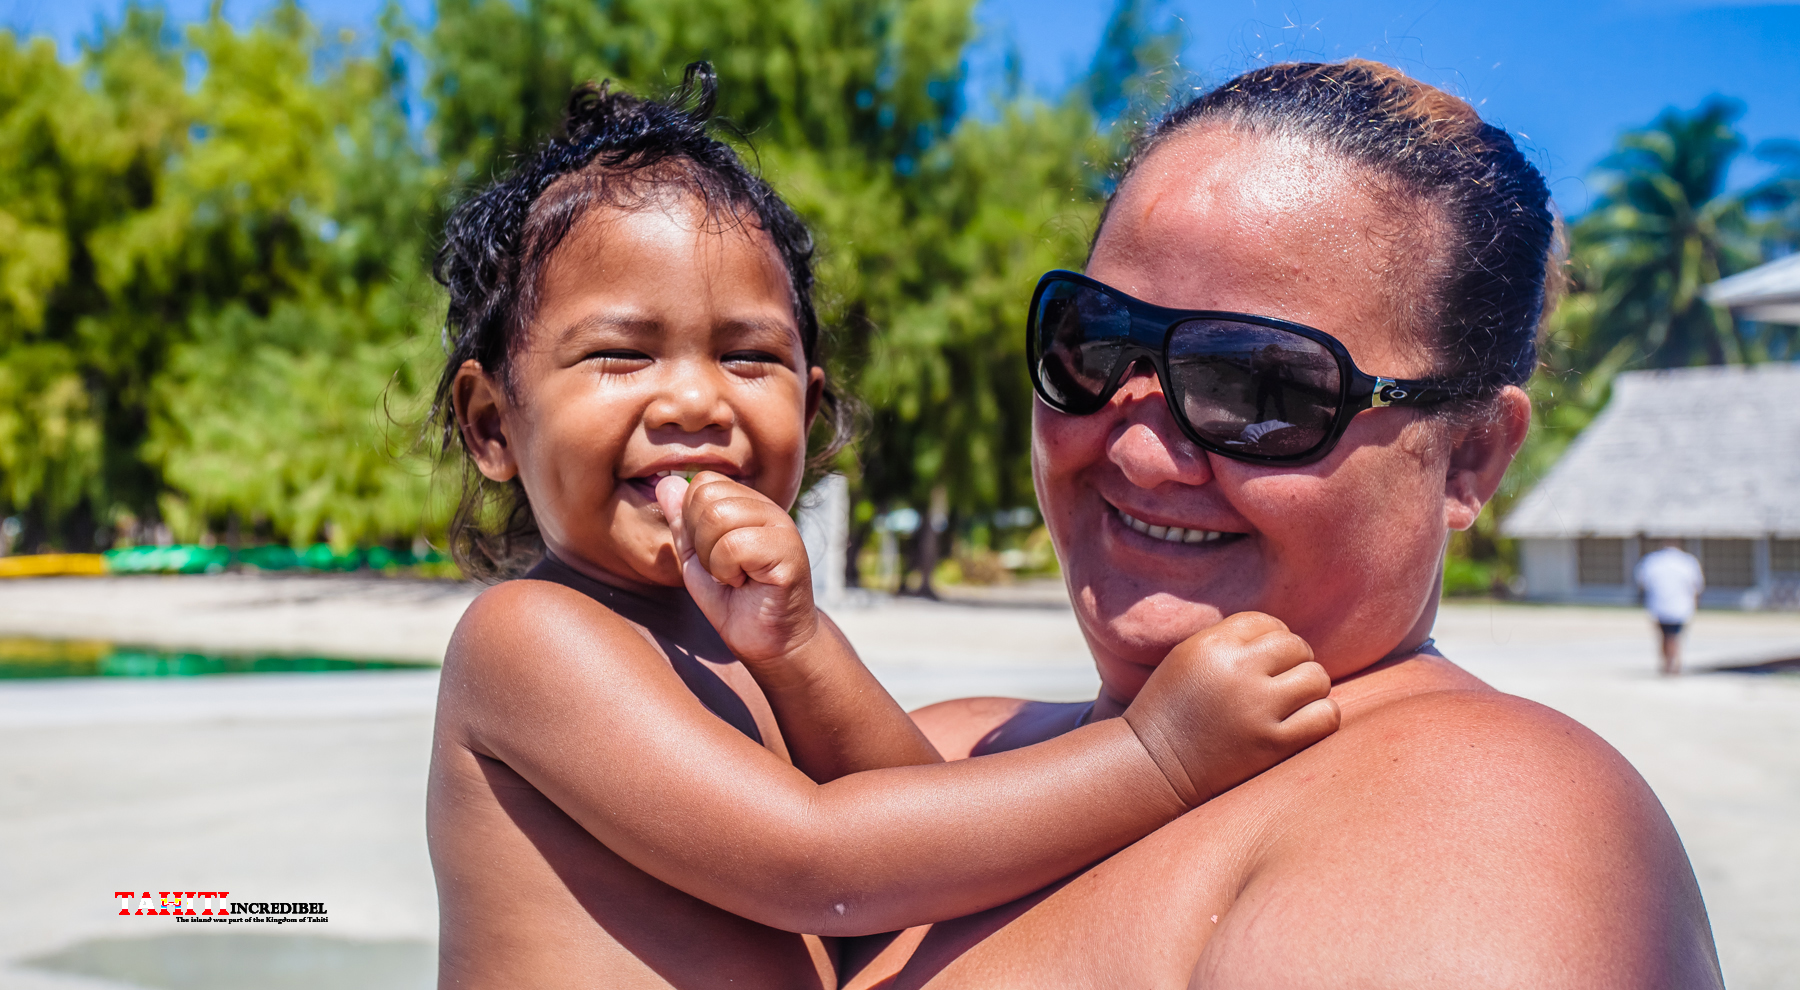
{"x":1246,"y":387}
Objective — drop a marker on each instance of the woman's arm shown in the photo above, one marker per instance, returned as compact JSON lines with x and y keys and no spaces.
{"x":570,"y":697}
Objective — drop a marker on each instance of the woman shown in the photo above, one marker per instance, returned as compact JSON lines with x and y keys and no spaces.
{"x":1448,"y":835}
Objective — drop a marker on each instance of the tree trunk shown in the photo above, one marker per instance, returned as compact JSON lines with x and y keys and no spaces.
{"x":927,"y":539}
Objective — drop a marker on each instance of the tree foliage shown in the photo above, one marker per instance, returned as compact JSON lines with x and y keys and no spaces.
{"x":1663,"y":228}
{"x":214,"y":299}
{"x":213,"y":274}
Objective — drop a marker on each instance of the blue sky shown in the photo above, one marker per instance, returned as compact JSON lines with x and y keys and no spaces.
{"x":1565,"y":75}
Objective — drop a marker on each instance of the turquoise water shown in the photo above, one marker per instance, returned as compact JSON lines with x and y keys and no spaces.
{"x":41,"y":658}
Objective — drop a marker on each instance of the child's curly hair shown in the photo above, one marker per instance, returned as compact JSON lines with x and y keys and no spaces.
{"x":618,"y":151}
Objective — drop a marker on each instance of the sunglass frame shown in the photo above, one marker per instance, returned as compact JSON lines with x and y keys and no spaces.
{"x":1151,"y":328}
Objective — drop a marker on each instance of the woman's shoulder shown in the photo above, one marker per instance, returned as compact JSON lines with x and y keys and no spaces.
{"x":1429,"y":718}
{"x":1470,"y":831}
{"x":968,"y":727}
{"x":1465,"y":760}
{"x":1470,"y":735}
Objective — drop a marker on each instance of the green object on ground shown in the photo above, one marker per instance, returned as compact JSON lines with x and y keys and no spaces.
{"x":193,"y":559}
{"x":178,"y":559}
{"x":23,"y":659}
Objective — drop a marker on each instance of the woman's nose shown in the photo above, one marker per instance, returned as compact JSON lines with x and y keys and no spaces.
{"x":1146,"y":445}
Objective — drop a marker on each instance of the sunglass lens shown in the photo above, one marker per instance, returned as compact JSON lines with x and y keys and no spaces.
{"x":1080,"y":332}
{"x":1254,"y":389}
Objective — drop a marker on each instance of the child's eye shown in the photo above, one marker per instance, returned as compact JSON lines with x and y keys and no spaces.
{"x":753,"y":357}
{"x":614,"y":359}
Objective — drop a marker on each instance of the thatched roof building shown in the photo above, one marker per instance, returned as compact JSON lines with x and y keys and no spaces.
{"x":1710,"y":456}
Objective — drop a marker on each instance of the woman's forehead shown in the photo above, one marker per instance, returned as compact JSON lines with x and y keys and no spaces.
{"x":1228,"y":219}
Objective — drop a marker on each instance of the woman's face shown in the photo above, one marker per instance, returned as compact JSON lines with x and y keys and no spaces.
{"x":1346,"y":550}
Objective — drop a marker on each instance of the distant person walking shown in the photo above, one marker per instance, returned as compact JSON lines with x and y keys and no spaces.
{"x":1671,"y":581}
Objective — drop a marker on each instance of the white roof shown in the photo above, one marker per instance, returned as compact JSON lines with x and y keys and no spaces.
{"x":1770,"y":293}
{"x":1687,"y":452}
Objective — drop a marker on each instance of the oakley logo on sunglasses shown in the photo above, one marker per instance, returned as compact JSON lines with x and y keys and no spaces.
{"x":1251,"y":388}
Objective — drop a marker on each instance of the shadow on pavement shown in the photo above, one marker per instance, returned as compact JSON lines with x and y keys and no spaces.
{"x":267,"y":962}
{"x":1791,"y":665}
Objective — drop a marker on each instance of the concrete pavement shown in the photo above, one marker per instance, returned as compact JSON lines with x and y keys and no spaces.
{"x":310,"y":787}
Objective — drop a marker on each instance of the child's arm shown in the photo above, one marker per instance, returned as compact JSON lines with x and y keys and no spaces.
{"x":744,"y":563}
{"x":572,"y":698}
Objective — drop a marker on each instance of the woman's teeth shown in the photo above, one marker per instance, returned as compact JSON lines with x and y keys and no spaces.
{"x":1170,"y":534}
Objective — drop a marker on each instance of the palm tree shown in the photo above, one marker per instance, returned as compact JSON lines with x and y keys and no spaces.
{"x":1662,"y":230}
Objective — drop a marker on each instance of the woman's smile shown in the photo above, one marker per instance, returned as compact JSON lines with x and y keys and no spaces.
{"x":1168,"y":535}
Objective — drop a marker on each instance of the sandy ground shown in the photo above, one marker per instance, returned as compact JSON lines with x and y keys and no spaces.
{"x":310,"y":787}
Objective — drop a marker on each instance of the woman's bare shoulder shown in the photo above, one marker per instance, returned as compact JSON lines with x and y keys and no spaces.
{"x":955,"y":727}
{"x":1473,"y":838}
{"x":968,"y":727}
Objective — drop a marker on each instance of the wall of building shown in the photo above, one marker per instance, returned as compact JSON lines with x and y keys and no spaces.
{"x":1548,"y":567}
{"x":1740,"y":574}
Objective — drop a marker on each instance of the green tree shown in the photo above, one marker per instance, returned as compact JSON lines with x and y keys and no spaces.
{"x":1663,"y":228}
{"x":78,"y":346}
{"x":293,"y":400}
{"x":211,"y":279}
{"x":998,"y":204}
{"x":1135,"y":66}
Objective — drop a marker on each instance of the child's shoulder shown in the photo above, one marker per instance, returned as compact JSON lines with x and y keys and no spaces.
{"x":535,"y":619}
{"x":525,"y":600}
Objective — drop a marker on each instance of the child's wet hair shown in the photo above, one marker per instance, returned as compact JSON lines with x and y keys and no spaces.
{"x":616,"y":151}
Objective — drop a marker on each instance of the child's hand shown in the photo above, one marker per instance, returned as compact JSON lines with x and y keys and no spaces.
{"x":743,"y":561}
{"x":1230,"y":702}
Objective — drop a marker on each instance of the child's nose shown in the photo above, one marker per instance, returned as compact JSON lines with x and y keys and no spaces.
{"x":691,"y":403}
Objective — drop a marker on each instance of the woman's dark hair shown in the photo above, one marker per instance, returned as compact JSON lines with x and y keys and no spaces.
{"x":1499,"y":272}
{"x":616,"y":151}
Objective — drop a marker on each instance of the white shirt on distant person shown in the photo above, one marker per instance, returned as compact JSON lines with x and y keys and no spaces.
{"x":1672,"y":581}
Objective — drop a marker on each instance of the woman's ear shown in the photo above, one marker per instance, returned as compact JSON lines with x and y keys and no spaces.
{"x":481,"y":406}
{"x":1480,"y":455}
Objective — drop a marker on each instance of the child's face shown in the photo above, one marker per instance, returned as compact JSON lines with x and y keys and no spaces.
{"x":660,"y":344}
